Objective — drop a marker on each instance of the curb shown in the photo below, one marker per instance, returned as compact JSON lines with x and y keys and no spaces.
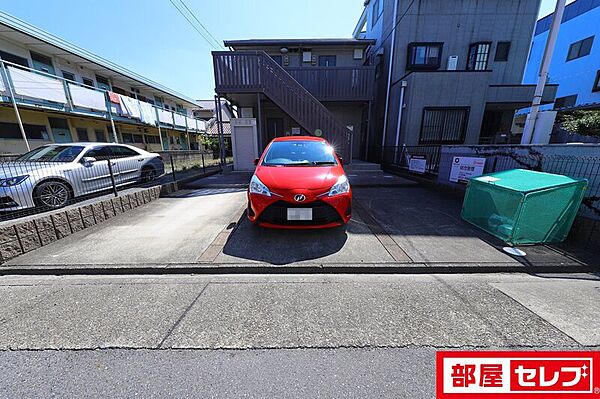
{"x":309,"y":269}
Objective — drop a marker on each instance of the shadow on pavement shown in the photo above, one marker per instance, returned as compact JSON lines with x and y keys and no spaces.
{"x":280,"y":247}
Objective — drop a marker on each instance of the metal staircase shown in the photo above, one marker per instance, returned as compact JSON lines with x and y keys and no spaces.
{"x":256,"y":72}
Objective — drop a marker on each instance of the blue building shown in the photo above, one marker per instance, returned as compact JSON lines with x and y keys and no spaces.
{"x":575,"y":65}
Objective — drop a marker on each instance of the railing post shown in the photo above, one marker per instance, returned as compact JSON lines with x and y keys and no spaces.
{"x":14,"y":102}
{"x":203,"y":166}
{"x":172,"y":167}
{"x":112,"y":178}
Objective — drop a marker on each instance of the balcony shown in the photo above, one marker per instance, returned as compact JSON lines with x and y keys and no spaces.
{"x":33,"y":89}
{"x":239,"y":72}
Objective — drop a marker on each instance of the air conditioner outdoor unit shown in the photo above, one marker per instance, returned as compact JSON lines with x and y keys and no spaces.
{"x":452,"y":63}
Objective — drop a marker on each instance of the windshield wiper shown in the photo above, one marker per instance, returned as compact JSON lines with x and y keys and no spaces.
{"x":323,"y":163}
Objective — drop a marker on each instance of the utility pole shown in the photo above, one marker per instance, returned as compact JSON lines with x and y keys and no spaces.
{"x":543,"y":74}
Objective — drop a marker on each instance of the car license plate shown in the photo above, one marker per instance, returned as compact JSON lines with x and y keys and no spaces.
{"x":299,"y":214}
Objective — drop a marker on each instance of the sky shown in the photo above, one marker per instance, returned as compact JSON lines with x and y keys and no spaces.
{"x":151,"y":38}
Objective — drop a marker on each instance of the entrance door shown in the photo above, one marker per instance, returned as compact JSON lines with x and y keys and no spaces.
{"x":245,"y":149}
{"x":60,"y":130}
{"x":274,"y":128}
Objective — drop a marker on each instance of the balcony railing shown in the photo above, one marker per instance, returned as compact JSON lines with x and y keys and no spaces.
{"x":36,"y":89}
{"x":336,"y":83}
{"x":239,"y":72}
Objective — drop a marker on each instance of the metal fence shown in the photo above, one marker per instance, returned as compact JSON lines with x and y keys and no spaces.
{"x":400,"y":156}
{"x":46,"y":181}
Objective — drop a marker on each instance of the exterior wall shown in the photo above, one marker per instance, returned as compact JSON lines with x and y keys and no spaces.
{"x":457,"y":24}
{"x":576,"y":76}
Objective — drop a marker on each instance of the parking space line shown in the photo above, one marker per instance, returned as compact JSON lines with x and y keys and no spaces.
{"x":395,"y":251}
{"x":215,"y":248}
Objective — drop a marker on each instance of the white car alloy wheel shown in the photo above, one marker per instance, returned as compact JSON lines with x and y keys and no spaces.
{"x":52,"y":194}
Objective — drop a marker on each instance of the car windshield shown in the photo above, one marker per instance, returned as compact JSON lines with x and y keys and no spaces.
{"x":52,"y":153}
{"x":299,"y":153}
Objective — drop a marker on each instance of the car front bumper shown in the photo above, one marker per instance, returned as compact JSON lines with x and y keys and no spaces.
{"x":326,"y":211}
{"x":15,"y":198}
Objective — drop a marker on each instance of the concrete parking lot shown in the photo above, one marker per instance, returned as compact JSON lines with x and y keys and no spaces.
{"x":399,"y":226}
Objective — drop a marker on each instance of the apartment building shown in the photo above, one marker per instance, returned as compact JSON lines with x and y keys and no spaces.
{"x":300,"y":86}
{"x":447,"y":72}
{"x":64,"y":93}
{"x":575,"y":65}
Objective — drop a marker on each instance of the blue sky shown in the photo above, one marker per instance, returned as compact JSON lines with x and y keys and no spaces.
{"x":151,"y":38}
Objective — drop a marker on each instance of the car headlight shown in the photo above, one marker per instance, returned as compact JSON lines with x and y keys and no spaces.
{"x":13,"y":181}
{"x":340,"y":187}
{"x":257,"y":187}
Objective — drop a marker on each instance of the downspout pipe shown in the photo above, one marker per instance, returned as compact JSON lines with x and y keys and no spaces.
{"x":389,"y":82}
{"x":529,"y":129}
{"x":403,"y":85}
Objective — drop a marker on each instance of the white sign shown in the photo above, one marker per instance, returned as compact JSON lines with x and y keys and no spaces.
{"x":417,"y":164}
{"x":463,"y":168}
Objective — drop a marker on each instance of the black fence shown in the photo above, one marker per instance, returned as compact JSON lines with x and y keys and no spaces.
{"x":52,"y":180}
{"x":400,"y":157}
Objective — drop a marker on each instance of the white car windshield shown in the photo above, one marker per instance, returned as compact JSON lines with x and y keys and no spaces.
{"x":52,"y":153}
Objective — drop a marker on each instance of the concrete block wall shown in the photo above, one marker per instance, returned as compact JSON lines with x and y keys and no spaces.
{"x":21,"y":236}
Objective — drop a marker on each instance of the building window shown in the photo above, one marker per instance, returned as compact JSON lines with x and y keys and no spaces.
{"x":377,"y":10}
{"x":424,"y":55}
{"x":68,"y":75}
{"x":478,"y":56}
{"x":12,"y":131}
{"x":88,"y":82}
{"x":565,"y":102}
{"x":580,"y":49}
{"x":118,"y":90}
{"x":15,"y":59}
{"x":100,"y":135}
{"x":327,"y":60}
{"x":597,"y":82}
{"x":502,"y":50}
{"x":444,"y":125}
{"x":42,"y":63}
{"x":102,"y":82}
{"x":82,"y":134}
{"x":278,"y":59}
{"x":130,"y":138}
{"x":180,"y":109}
{"x":152,"y":139}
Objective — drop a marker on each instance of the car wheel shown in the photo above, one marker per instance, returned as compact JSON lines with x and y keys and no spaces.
{"x":52,"y":194}
{"x":148,"y":175}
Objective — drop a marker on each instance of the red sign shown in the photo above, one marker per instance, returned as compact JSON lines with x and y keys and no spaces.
{"x":525,"y":375}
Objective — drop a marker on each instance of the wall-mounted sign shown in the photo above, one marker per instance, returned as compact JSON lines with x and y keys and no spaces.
{"x":417,"y":163}
{"x":463,"y":168}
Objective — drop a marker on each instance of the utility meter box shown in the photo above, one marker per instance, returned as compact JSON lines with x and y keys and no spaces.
{"x":523,"y":206}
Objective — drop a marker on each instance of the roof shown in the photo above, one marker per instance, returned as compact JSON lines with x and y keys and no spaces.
{"x":48,"y":38}
{"x":572,"y":10}
{"x":299,"y":42}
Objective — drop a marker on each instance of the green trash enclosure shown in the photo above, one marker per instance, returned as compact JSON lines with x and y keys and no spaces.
{"x":523,"y":206}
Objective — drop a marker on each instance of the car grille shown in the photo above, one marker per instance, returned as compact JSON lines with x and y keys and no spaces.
{"x":7,"y":202}
{"x":322,"y":214}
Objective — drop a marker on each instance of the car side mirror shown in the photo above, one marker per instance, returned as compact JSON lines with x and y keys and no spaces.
{"x":256,"y":161}
{"x":88,"y":160}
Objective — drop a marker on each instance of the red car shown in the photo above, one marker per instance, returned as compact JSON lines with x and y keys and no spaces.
{"x":299,"y":182}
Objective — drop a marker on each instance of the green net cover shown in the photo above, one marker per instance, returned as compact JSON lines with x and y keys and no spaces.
{"x":523,"y":206}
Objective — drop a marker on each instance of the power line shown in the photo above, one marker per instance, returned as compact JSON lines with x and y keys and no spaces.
{"x":193,"y":25}
{"x":201,"y":24}
{"x":397,"y":23}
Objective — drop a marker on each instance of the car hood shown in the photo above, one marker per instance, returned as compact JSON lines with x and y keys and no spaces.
{"x":12,"y":169}
{"x":299,"y":177}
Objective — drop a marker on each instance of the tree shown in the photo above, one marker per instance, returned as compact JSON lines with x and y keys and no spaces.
{"x":582,"y":122}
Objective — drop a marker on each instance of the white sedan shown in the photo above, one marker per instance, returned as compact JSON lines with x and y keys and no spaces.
{"x":53,"y":175}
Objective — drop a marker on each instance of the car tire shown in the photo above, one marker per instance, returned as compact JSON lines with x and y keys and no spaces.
{"x":52,"y":194}
{"x":148,"y":174}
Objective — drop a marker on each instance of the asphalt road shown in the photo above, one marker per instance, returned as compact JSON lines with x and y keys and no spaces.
{"x":274,"y":335}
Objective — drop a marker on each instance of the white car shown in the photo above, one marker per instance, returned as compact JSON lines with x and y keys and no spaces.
{"x":53,"y":175}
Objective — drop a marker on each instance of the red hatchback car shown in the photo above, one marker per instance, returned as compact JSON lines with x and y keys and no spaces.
{"x":299,"y":182}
